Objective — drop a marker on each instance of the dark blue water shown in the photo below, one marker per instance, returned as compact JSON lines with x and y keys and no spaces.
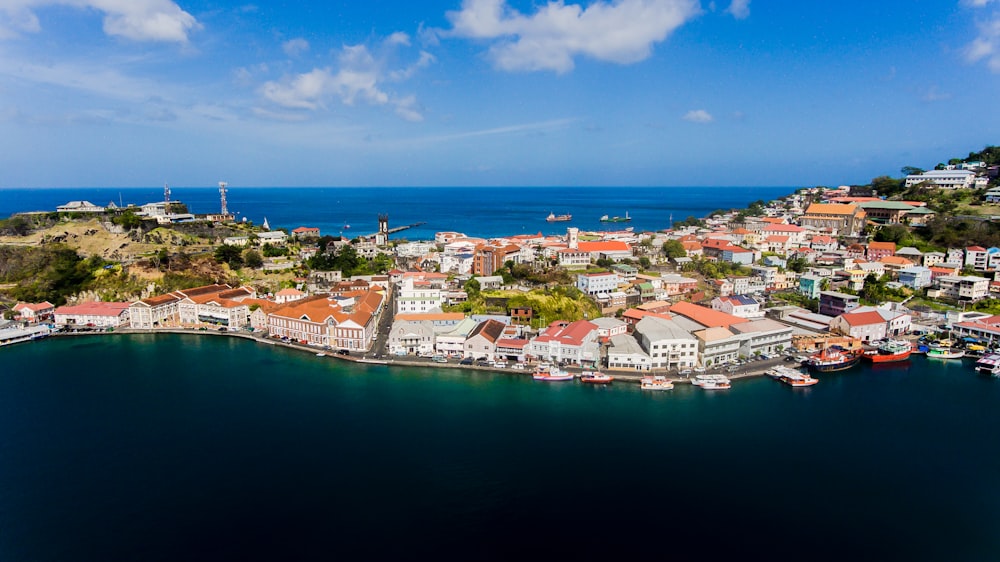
{"x":475,"y":211}
{"x":187,"y":448}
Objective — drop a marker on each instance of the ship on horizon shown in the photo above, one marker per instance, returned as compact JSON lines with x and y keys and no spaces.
{"x":558,"y":218}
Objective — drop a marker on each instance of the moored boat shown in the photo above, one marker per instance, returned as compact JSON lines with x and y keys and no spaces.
{"x":935,"y":352}
{"x":595,"y":377}
{"x":792,"y":377}
{"x":656,"y":383}
{"x":712,"y":382}
{"x":558,"y":218}
{"x":889,"y":352}
{"x":989,"y":364}
{"x":551,"y":374}
{"x":832,"y":359}
{"x":626,"y":218}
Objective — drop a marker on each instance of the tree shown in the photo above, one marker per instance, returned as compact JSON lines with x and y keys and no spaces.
{"x":911,"y":171}
{"x":472,"y":288}
{"x":644,"y":262}
{"x":252,"y":259}
{"x":674,"y":249}
{"x":229,"y":254}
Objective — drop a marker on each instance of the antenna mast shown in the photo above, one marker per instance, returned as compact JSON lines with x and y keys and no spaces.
{"x":166,"y":193}
{"x":222,"y":196}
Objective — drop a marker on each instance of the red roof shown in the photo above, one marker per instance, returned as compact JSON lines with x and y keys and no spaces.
{"x":572,"y":334}
{"x":95,"y":309}
{"x":706,"y":316}
{"x":609,"y":246}
{"x":863,"y":318}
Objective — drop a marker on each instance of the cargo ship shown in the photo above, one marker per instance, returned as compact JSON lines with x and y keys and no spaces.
{"x":558,"y":218}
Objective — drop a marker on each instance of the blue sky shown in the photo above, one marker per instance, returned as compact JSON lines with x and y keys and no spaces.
{"x":125,"y":93}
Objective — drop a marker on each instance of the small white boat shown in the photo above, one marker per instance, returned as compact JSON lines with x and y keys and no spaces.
{"x":656,"y":383}
{"x":712,"y":382}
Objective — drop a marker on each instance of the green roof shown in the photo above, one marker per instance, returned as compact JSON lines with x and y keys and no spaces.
{"x":889,"y":205}
{"x":920,"y":211}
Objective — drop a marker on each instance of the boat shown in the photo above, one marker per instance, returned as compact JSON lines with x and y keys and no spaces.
{"x":626,"y":218}
{"x":321,"y":354}
{"x":832,"y":359}
{"x":595,"y":377}
{"x":656,"y":383}
{"x":712,"y":382}
{"x":889,"y":352}
{"x":558,"y":218}
{"x":989,"y":365}
{"x":551,"y":374}
{"x":792,"y":377}
{"x":942,"y":352}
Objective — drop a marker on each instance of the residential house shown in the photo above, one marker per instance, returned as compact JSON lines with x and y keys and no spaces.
{"x":878,"y":250}
{"x":832,"y":303}
{"x":609,"y":327}
{"x":738,"y":305}
{"x":914,"y":277}
{"x":963,"y":287}
{"x":482,"y":341}
{"x":597,"y":283}
{"x":34,"y":312}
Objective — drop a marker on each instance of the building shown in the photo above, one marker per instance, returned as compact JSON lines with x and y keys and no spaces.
{"x":482,"y":341}
{"x":609,"y":327}
{"x":963,"y":287}
{"x":411,"y":338}
{"x":417,"y":296}
{"x":625,"y":353}
{"x":93,"y":314}
{"x":738,"y":305}
{"x":569,"y":342}
{"x":34,"y":312}
{"x":668,"y":345}
{"x":717,"y":346}
{"x":321,"y":321}
{"x":597,"y":283}
{"x":887,"y":212}
{"x":844,"y":220}
{"x":764,"y":336}
{"x":878,"y":250}
{"x":80,"y":207}
{"x":512,"y":349}
{"x":832,"y":303}
{"x":865,"y":326}
{"x":944,"y":179}
{"x":915,"y":277}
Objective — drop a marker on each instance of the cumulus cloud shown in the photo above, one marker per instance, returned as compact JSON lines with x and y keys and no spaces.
{"x":739,"y":9}
{"x":139,"y":20}
{"x":358,"y":78}
{"x":698,"y":116}
{"x":618,"y":31}
{"x":986,"y":46}
{"x":295,"y":47}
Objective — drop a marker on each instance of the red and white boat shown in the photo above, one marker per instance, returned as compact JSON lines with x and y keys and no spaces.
{"x":656,"y":383}
{"x":792,"y":377}
{"x":551,"y":374}
{"x":595,"y":377}
{"x":712,"y":382}
{"x":890,"y":352}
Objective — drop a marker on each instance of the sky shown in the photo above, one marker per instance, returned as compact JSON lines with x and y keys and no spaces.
{"x":632,"y":93}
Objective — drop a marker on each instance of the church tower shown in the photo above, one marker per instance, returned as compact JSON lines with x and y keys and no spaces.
{"x":382,"y":237}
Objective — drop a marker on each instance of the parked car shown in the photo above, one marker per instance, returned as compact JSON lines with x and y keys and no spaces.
{"x":466,"y":361}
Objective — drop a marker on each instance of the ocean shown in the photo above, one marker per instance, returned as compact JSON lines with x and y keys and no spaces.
{"x":481,"y":211}
{"x":170,"y":447}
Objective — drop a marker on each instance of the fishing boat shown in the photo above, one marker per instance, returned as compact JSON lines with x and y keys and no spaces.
{"x":832,"y":359}
{"x":626,"y":218}
{"x":558,"y":218}
{"x":656,"y":383}
{"x":944,"y":352}
{"x":712,"y":382}
{"x":989,"y":364}
{"x":595,"y":377}
{"x":889,"y":352}
{"x":551,"y":374}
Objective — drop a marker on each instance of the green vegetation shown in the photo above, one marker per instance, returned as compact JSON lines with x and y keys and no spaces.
{"x":347,"y":260}
{"x":717,"y":269}
{"x":50,"y":273}
{"x":674,"y":249}
{"x":551,"y":303}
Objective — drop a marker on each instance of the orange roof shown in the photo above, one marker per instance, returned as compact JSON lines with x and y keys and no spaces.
{"x":706,"y":316}
{"x":773,"y":220}
{"x":830,"y":209}
{"x":288,"y":293}
{"x":776,"y":238}
{"x":895,"y":260}
{"x":891,"y":246}
{"x":863,"y":318}
{"x":784,"y":228}
{"x":609,"y":246}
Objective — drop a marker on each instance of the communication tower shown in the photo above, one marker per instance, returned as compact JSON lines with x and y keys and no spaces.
{"x":222,"y":197}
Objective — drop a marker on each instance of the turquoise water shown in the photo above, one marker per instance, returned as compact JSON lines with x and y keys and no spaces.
{"x":184,"y":447}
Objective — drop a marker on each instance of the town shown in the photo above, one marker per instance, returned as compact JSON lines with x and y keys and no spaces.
{"x":738,"y":292}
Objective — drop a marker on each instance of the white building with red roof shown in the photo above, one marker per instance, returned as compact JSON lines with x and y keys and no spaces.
{"x":93,"y":314}
{"x":571,"y":342}
{"x":868,"y":323}
{"x":33,"y":312}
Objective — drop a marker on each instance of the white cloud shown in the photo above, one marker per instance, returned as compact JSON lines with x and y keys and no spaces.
{"x":398,"y":38}
{"x":358,"y":78}
{"x":139,"y":20}
{"x":976,"y":3}
{"x":739,"y":9}
{"x":619,"y":31}
{"x":295,"y":47}
{"x":698,"y":116}
{"x":986,"y":46}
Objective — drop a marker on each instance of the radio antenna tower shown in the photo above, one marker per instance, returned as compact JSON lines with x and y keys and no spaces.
{"x":222,"y":196}
{"x":166,"y":193}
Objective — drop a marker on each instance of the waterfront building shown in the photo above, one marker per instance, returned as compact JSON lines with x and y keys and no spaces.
{"x":93,"y":314}
{"x":832,"y":303}
{"x":570,"y":342}
{"x":322,"y":321}
{"x":865,"y":326}
{"x":668,"y":345}
{"x":33,"y":312}
{"x":220,"y":308}
{"x":512,"y":349}
{"x":411,"y":338}
{"x":450,"y":339}
{"x":154,"y":312}
{"x":625,"y":353}
{"x":482,"y":341}
{"x":763,"y":336}
{"x":717,"y":346}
